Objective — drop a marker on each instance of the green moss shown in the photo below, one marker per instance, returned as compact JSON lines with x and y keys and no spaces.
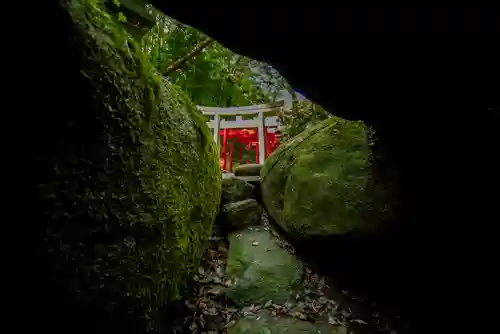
{"x":263,"y":270}
{"x":264,"y":323}
{"x":135,"y":182}
{"x":319,"y":183}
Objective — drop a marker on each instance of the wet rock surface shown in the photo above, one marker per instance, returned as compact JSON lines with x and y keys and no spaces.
{"x":243,"y":213}
{"x":263,"y":322}
{"x":262,"y":270}
{"x":235,"y":189}
{"x":248,"y":170}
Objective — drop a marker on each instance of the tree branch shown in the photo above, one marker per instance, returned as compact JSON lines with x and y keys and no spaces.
{"x":191,"y":54}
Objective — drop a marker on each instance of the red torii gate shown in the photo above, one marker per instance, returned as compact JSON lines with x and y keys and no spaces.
{"x":264,"y":139}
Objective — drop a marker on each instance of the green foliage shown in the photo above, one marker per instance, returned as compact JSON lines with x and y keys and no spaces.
{"x":303,"y":114}
{"x":135,"y":180}
{"x":122,"y":17}
{"x":216,"y":77}
{"x":319,"y":182}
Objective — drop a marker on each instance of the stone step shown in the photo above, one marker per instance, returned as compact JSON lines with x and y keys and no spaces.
{"x":253,"y":180}
{"x":243,"y":213}
{"x":248,"y":170}
{"x":236,"y":189}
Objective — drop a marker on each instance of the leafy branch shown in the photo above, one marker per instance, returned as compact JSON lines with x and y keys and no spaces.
{"x":191,"y":54}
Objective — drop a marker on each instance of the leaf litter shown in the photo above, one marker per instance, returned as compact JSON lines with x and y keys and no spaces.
{"x":211,"y":311}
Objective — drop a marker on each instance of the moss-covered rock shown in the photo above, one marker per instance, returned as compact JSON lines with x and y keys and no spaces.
{"x":319,"y":182}
{"x":262,"y":270}
{"x":235,"y":189}
{"x":248,"y":170}
{"x":244,"y":213}
{"x":263,"y":323}
{"x":130,"y":185}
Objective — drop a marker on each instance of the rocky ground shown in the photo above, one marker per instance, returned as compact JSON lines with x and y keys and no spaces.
{"x":251,"y":282}
{"x":310,"y":309}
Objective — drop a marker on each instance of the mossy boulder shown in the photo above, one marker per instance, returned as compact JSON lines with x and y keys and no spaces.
{"x":235,"y":189}
{"x":262,"y":270}
{"x":244,"y":213}
{"x":129,"y":178}
{"x":319,"y":182}
{"x":263,"y":323}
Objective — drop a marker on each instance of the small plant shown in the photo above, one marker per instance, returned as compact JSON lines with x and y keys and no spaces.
{"x":304,"y":113}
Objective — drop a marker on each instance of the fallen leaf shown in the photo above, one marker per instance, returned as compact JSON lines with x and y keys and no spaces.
{"x":300,"y":316}
{"x":359,"y":321}
{"x":345,"y":313}
{"x":332,"y":320}
{"x":212,"y":253}
{"x":205,"y":280}
{"x":214,"y":291}
{"x":212,"y":311}
{"x":231,"y":323}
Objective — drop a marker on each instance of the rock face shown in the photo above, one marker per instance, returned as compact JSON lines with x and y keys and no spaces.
{"x":248,"y":170}
{"x":263,"y":323}
{"x":318,"y":183}
{"x":262,"y":271}
{"x":244,"y":213}
{"x":239,"y":207}
{"x":235,"y":189}
{"x":131,"y":185}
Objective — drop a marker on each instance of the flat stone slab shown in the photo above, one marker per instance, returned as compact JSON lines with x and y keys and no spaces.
{"x":248,"y":170}
{"x":254,"y":180}
{"x":263,"y":323}
{"x":261,"y":269}
{"x":227,"y":175}
{"x":243,"y":213}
